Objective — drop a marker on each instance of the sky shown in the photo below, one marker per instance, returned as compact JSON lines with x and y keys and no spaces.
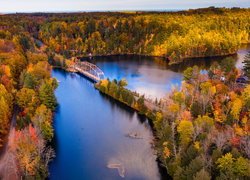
{"x":112,"y":5}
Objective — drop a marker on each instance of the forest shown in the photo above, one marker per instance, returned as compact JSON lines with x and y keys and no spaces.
{"x":174,"y":35}
{"x":202,"y":130}
{"x":27,"y":102}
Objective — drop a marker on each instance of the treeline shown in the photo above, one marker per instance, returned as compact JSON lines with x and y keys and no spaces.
{"x":117,"y":90}
{"x":175,"y":35}
{"x":208,"y":32}
{"x":26,"y":89}
{"x":202,"y":131}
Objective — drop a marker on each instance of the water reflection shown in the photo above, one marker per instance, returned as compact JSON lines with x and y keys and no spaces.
{"x":91,"y":131}
{"x":145,"y":75}
{"x":153,"y":76}
{"x":241,"y":54}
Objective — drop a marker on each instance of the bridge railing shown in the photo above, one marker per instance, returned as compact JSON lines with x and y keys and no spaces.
{"x":90,"y":70}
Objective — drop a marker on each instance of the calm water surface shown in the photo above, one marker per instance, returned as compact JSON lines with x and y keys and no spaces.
{"x":153,"y":76}
{"x":91,"y":129}
{"x":90,"y":132}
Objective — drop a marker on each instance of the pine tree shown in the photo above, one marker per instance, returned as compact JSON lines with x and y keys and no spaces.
{"x":47,"y":97}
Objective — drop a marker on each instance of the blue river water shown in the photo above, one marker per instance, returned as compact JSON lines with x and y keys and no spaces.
{"x":91,"y":129}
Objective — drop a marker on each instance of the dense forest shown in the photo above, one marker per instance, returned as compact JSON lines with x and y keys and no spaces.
{"x":174,"y":35}
{"x":27,"y":103}
{"x":202,"y":130}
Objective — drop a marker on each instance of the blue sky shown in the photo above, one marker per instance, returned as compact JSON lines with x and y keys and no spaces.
{"x":112,"y":5}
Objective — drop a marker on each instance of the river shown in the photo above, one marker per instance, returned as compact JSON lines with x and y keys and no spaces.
{"x":91,"y":129}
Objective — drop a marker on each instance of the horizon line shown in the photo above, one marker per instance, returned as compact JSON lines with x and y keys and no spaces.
{"x":120,"y":10}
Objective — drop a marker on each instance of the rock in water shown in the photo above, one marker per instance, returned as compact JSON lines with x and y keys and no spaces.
{"x":134,"y":135}
{"x":119,"y":167}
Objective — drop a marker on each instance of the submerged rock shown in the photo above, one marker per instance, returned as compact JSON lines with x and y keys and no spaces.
{"x":119,"y":167}
{"x":134,"y":135}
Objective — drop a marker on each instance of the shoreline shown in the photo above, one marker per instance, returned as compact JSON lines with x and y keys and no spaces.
{"x":149,"y":114}
{"x":84,"y":57}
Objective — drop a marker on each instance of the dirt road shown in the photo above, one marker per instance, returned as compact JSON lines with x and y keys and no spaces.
{"x":8,"y":164}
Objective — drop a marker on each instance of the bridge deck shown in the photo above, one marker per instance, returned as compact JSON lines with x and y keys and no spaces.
{"x":89,"y":70}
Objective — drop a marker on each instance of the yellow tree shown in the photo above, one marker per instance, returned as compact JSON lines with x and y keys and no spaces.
{"x":4,"y":115}
{"x":43,"y":120}
{"x":186,"y":130}
{"x":236,"y":108}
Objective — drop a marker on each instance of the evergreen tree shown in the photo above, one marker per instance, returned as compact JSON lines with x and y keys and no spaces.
{"x":47,"y":97}
{"x":43,"y":120}
{"x":202,"y":174}
{"x":29,"y":81}
{"x":141,"y":106}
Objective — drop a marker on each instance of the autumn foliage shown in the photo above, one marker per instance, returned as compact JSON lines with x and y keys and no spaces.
{"x":26,"y":89}
{"x":205,"y":126}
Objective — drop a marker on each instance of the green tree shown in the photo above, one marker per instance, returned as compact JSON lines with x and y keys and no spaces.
{"x":23,"y":42}
{"x":27,"y":98}
{"x":228,"y":64}
{"x":204,"y":122}
{"x":194,"y":167}
{"x":234,"y":168}
{"x":202,"y":175}
{"x":113,"y":88}
{"x":242,"y":167}
{"x":28,"y":80}
{"x":43,"y":120}
{"x":46,"y":95}
{"x":158,"y":120}
{"x":226,"y":164}
{"x":188,"y":74}
{"x":141,"y":105}
{"x":123,"y":83}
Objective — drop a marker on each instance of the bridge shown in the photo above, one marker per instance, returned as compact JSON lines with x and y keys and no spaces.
{"x":89,"y":70}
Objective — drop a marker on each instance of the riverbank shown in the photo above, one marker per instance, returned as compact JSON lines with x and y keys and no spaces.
{"x":96,"y":110}
{"x":168,"y":59}
{"x":163,"y":130}
{"x":129,"y":98}
{"x":91,"y":132}
{"x":173,"y":36}
{"x":133,"y":100}
{"x":189,"y":115}
{"x":145,"y":107}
